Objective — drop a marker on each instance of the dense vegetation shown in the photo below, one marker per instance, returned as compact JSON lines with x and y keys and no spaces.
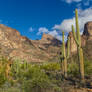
{"x":26,"y":77}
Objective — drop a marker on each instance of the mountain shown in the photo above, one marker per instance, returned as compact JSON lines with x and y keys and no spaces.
{"x":86,"y":41}
{"x":14,"y":45}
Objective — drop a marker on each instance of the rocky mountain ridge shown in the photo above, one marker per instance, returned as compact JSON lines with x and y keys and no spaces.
{"x":86,"y":38}
{"x":14,"y":45}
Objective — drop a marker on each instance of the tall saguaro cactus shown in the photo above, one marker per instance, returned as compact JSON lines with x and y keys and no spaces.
{"x":64,"y":55}
{"x":77,"y":38}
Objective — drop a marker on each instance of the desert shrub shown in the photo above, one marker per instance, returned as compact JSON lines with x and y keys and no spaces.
{"x":16,"y":70}
{"x":2,"y":75}
{"x":50,"y":66}
{"x":12,"y":90}
{"x":73,"y":69}
{"x":7,"y":88}
{"x":26,"y":77}
{"x":35,"y":78}
{"x":88,"y":67}
{"x":53,"y":70}
{"x":3,"y":78}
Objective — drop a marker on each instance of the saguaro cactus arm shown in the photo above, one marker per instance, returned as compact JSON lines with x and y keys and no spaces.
{"x":63,"y":45}
{"x":77,"y":27}
{"x":74,"y":34}
{"x":61,"y":53}
{"x":68,"y":47}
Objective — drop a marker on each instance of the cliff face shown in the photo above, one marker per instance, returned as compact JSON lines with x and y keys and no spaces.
{"x":73,"y":46}
{"x":12,"y":44}
{"x":88,"y":35}
{"x":86,"y":41}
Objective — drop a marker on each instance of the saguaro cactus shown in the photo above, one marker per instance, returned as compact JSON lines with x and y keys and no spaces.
{"x":77,"y":38}
{"x":64,"y":55}
{"x":6,"y":63}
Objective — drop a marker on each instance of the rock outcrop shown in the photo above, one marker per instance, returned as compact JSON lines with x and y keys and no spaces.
{"x":88,"y":30}
{"x":12,"y":44}
{"x":86,"y":39}
{"x":73,"y":46}
{"x":50,"y":39}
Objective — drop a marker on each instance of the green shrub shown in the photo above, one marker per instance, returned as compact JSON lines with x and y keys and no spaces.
{"x":73,"y":69}
{"x":50,"y":66}
{"x":11,"y":89}
{"x":26,"y":77}
{"x":3,"y":63}
{"x":88,"y":68}
{"x":35,"y":78}
{"x":2,"y":79}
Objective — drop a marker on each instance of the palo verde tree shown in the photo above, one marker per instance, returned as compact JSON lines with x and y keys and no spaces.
{"x":77,"y":38}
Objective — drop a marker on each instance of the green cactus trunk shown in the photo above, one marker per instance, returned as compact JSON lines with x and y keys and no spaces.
{"x":65,"y":68}
{"x":77,"y":38}
{"x":81,"y":64}
{"x":62,"y":67}
{"x":64,"y":57}
{"x":68,"y":47}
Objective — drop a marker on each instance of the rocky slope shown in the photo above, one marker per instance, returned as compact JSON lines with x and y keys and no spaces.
{"x":86,"y":40}
{"x":12,"y":44}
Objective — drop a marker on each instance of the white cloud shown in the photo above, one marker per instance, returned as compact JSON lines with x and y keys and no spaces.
{"x":42,"y":30}
{"x":65,"y":25}
{"x":31,"y":29}
{"x":70,"y":1}
{"x":87,"y":2}
{"x":78,"y":3}
{"x":84,"y":16}
{"x":53,"y":33}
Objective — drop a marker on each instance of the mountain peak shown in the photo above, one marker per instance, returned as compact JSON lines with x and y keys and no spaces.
{"x":88,"y":29}
{"x":47,"y":37}
{"x":12,"y":44}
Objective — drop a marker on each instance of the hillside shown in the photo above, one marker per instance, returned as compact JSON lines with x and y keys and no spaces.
{"x":86,"y":41}
{"x":14,"y":45}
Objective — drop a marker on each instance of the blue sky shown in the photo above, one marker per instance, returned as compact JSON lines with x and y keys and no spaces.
{"x":32,"y":18}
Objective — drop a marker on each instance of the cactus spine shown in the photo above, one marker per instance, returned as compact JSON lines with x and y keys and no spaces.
{"x":77,"y":38}
{"x":64,"y":56}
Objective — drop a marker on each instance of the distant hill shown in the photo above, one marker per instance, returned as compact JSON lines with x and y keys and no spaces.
{"x":14,"y":45}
